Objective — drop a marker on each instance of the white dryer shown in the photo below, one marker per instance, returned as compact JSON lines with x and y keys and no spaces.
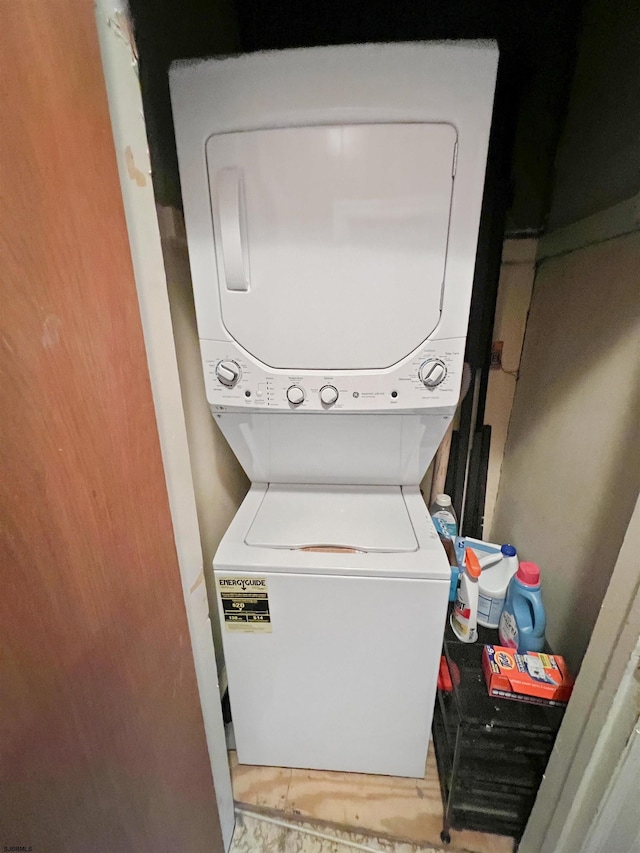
{"x":332,"y":200}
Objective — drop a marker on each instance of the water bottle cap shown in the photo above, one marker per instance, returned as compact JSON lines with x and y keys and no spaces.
{"x":443,"y":500}
{"x":528,"y":574}
{"x":508,"y":551}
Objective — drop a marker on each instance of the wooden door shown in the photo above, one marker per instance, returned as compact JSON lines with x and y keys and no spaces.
{"x":102,"y":744}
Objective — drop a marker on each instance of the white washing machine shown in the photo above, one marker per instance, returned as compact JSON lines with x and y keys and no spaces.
{"x":333,"y":602}
{"x":332,"y":200}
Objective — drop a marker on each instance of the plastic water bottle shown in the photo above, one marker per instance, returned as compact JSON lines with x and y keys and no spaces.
{"x":523,"y":620}
{"x":444,"y":517}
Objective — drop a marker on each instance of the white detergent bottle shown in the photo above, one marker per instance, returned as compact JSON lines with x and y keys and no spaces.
{"x":464,"y":616}
{"x":444,"y":517}
{"x":497,"y":571}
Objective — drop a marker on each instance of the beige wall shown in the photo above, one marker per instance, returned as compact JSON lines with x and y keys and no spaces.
{"x":512,"y":307}
{"x":571,"y":467}
{"x":220,"y":484}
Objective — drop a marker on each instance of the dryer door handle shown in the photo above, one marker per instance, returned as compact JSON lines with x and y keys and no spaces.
{"x":233,"y":228}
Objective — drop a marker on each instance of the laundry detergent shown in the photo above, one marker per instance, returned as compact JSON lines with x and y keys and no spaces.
{"x":523,"y":620}
{"x":463,"y":619}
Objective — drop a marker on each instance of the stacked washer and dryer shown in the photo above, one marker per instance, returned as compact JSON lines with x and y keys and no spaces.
{"x":332,"y":201}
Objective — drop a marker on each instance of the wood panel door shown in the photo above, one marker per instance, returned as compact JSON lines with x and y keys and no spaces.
{"x":102,"y":744}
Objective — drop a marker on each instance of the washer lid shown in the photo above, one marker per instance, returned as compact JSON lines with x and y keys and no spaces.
{"x":357,"y":518}
{"x":331,"y":241}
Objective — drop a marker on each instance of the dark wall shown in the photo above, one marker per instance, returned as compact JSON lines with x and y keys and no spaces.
{"x":598,"y":160}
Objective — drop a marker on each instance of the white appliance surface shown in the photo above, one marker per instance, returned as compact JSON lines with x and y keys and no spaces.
{"x":331,"y":227}
{"x":364,"y":518}
{"x":391,"y":390}
{"x":345,"y":677}
{"x":332,"y":199}
{"x":427,"y":561}
{"x":450,"y":84}
{"x":274,"y":447}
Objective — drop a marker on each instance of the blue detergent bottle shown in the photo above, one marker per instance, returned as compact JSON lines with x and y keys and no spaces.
{"x":523,"y":619}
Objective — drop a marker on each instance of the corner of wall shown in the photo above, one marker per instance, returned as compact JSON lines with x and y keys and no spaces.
{"x":515,"y":287}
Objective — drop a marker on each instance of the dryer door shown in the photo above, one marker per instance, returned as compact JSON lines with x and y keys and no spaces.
{"x":331,"y":241}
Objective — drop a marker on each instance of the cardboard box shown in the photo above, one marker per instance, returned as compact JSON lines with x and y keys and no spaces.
{"x":533,"y":677}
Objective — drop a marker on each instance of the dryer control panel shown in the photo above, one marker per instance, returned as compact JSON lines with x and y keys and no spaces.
{"x":430,"y":378}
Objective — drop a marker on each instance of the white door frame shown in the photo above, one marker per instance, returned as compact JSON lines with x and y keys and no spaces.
{"x":119,"y":61}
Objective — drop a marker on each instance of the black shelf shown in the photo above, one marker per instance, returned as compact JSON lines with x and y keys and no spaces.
{"x":491,"y":753}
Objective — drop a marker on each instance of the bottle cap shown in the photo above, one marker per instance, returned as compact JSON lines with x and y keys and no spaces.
{"x":472,"y":563}
{"x":528,"y":574}
{"x":508,"y":551}
{"x":443,"y":500}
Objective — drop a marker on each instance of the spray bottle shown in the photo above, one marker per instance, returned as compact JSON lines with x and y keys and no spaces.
{"x":465,"y":610}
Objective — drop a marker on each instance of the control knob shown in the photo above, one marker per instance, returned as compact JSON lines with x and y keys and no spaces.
{"x":432,"y":372}
{"x":295,"y":395}
{"x":227,"y":372}
{"x":329,"y":395}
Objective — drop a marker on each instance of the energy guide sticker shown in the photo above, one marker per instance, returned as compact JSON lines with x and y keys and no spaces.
{"x":245,"y":604}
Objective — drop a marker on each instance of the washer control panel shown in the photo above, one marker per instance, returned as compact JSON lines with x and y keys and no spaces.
{"x":432,"y":372}
{"x":329,"y":395}
{"x":295,"y":395}
{"x":228,"y":372}
{"x":430,"y":378}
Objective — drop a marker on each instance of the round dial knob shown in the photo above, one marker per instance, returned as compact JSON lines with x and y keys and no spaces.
{"x":227,"y":372}
{"x":295,"y":395}
{"x":329,"y":394}
{"x":432,"y":372}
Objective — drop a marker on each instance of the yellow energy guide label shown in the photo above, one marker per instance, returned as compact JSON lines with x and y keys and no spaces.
{"x":245,"y":604}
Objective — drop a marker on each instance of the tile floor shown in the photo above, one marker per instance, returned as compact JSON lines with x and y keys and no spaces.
{"x":255,"y":834}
